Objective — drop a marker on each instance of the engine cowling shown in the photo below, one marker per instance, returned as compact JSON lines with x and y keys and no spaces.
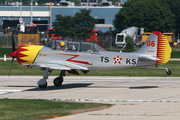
{"x":26,"y":54}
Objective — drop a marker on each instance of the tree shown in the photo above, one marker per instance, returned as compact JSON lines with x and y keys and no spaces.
{"x":174,"y":5}
{"x":64,"y":25}
{"x":129,"y":43}
{"x":152,"y":15}
{"x":84,"y":23}
{"x":80,"y":25}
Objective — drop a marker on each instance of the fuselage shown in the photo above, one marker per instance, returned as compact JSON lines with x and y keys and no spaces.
{"x":88,"y":56}
{"x":93,"y":61}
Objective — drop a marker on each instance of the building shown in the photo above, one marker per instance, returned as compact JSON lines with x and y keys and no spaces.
{"x":105,"y":15}
{"x":12,"y":15}
{"x":47,"y":14}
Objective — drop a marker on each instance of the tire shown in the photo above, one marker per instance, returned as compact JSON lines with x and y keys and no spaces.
{"x":43,"y":86}
{"x":168,"y":72}
{"x":58,"y":81}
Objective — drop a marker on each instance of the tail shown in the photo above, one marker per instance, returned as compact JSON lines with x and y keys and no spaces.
{"x":156,"y":48}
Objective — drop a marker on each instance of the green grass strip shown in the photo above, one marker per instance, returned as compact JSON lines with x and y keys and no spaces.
{"x":38,"y":109}
{"x":174,"y":66}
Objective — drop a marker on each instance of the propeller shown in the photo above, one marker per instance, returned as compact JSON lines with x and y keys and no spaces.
{"x":13,"y":43}
{"x":11,"y":66}
{"x":13,"y":53}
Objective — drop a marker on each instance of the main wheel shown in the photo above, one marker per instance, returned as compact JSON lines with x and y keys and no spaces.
{"x":43,"y":86}
{"x":58,"y":81}
{"x":168,"y":72}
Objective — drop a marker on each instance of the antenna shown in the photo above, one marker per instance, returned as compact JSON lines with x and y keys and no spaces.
{"x":123,"y":48}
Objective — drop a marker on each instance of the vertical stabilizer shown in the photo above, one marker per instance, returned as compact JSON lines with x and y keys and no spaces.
{"x":157,"y":46}
{"x":163,"y":49}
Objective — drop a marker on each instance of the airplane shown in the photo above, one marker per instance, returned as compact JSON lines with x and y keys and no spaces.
{"x":89,"y":56}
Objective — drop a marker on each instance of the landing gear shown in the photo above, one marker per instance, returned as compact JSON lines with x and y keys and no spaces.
{"x":168,"y":72}
{"x":58,"y":81}
{"x":42,"y":82}
{"x":43,"y":86}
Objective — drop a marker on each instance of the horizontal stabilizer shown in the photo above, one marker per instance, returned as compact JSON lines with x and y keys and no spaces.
{"x":149,"y":57}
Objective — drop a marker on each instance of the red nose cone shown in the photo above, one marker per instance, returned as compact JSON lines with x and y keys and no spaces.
{"x":12,"y":54}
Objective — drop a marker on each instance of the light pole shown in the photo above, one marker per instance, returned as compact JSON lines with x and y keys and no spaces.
{"x":31,"y":12}
{"x":87,"y":4}
{"x":21,"y":10}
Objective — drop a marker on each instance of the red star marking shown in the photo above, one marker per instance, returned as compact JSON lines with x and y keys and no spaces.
{"x":117,"y":59}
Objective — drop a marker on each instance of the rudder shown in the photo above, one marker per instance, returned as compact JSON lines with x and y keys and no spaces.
{"x":163,"y":49}
{"x":157,"y":46}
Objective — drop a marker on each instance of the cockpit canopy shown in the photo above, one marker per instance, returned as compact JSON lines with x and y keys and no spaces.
{"x":71,"y":46}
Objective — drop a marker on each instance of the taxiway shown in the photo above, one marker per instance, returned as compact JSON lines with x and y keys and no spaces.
{"x":134,"y":98}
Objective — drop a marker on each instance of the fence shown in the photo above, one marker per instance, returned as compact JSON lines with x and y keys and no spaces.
{"x":5,"y":41}
{"x":30,"y":39}
{"x":20,"y":39}
{"x":104,"y":40}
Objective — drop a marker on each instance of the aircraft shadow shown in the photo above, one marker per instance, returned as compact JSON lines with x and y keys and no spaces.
{"x":139,"y":87}
{"x":108,"y":87}
{"x":79,"y":85}
{"x":143,"y":87}
{"x":63,"y":86}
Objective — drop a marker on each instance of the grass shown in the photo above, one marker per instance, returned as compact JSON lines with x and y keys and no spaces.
{"x":37,"y":109}
{"x":174,"y":66}
{"x":175,"y":54}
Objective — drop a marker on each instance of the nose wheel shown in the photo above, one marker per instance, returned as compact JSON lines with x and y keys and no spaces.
{"x":58,"y":81}
{"x":43,"y":86}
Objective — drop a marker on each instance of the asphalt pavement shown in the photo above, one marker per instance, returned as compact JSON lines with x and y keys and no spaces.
{"x":133,"y":98}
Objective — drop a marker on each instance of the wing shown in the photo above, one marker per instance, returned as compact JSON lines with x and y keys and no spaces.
{"x":62,"y":65}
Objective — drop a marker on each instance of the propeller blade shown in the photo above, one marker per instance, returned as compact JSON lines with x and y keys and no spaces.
{"x":11,"y":66}
{"x":13,"y":42}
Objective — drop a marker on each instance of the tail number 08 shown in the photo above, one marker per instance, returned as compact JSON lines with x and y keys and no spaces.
{"x":151,"y":44}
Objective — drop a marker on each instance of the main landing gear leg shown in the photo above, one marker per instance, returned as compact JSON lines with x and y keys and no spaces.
{"x":59,"y":80}
{"x":42,"y":82}
{"x":168,"y":72}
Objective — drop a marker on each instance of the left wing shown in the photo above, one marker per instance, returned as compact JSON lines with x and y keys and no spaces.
{"x":62,"y":65}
